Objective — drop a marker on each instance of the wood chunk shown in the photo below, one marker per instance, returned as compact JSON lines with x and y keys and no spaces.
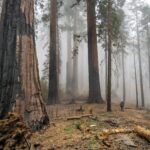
{"x":142,"y":132}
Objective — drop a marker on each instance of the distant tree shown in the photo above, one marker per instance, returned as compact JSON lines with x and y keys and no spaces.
{"x":145,"y":24}
{"x":110,"y":17}
{"x":136,"y":86}
{"x":53,"y":97}
{"x":135,"y":9}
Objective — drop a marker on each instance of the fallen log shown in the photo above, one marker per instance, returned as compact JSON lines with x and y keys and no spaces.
{"x":79,"y":117}
{"x":105,"y":133}
{"x":142,"y":132}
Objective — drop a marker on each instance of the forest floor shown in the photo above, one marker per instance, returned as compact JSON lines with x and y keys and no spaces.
{"x":85,"y":133}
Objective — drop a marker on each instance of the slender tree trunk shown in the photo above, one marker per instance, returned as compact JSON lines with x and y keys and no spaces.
{"x":18,"y":44}
{"x":123,"y":74}
{"x":136,"y":87}
{"x":148,"y":48}
{"x":106,"y":64}
{"x":53,"y":77}
{"x":58,"y":49}
{"x":75,"y":57}
{"x":140,"y":63}
{"x":69,"y":65}
{"x":109,"y":56}
{"x":94,"y":81}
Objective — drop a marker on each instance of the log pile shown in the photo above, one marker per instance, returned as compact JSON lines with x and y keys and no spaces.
{"x":13,"y":133}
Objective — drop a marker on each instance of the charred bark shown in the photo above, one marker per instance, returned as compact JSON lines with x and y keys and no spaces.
{"x":19,"y":66}
{"x":8,"y":65}
{"x":94,"y":81}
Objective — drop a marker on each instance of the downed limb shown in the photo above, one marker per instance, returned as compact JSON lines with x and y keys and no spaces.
{"x":79,"y":117}
{"x":105,"y":133}
{"x":142,"y":132}
{"x":145,"y":133}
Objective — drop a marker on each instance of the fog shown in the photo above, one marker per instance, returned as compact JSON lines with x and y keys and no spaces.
{"x":42,"y":44}
{"x":42,"y":50}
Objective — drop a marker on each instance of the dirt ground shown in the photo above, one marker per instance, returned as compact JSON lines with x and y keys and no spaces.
{"x":84,"y":133}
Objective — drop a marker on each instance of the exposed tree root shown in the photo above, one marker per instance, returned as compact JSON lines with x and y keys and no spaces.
{"x":13,"y":133}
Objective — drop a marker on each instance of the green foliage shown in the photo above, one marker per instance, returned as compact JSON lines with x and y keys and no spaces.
{"x":93,"y":144}
{"x":117,"y":18}
{"x":72,"y":127}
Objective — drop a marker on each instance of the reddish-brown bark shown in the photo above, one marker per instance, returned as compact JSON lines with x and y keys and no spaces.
{"x":94,"y":82}
{"x":19,"y":66}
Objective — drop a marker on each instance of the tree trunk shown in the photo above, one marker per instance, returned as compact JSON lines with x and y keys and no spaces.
{"x":8,"y":65}
{"x":19,"y":45}
{"x":94,"y":81}
{"x":109,"y":56}
{"x":69,"y":65}
{"x":148,"y":48}
{"x":53,"y":70}
{"x":75,"y":56}
{"x":123,"y":74}
{"x":106,"y":64}
{"x":140,"y":63}
{"x":136,"y":87}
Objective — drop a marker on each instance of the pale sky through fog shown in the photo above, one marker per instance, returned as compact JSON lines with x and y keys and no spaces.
{"x":41,"y":52}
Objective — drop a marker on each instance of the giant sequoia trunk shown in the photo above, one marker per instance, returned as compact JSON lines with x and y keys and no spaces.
{"x":94,"y":82}
{"x":53,"y":70}
{"x":21,"y":63}
{"x":8,"y":72}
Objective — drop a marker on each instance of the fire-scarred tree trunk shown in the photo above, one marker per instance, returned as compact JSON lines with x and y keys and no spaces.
{"x":94,"y":82}
{"x":21,"y":62}
{"x":8,"y":73}
{"x":53,"y":77}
